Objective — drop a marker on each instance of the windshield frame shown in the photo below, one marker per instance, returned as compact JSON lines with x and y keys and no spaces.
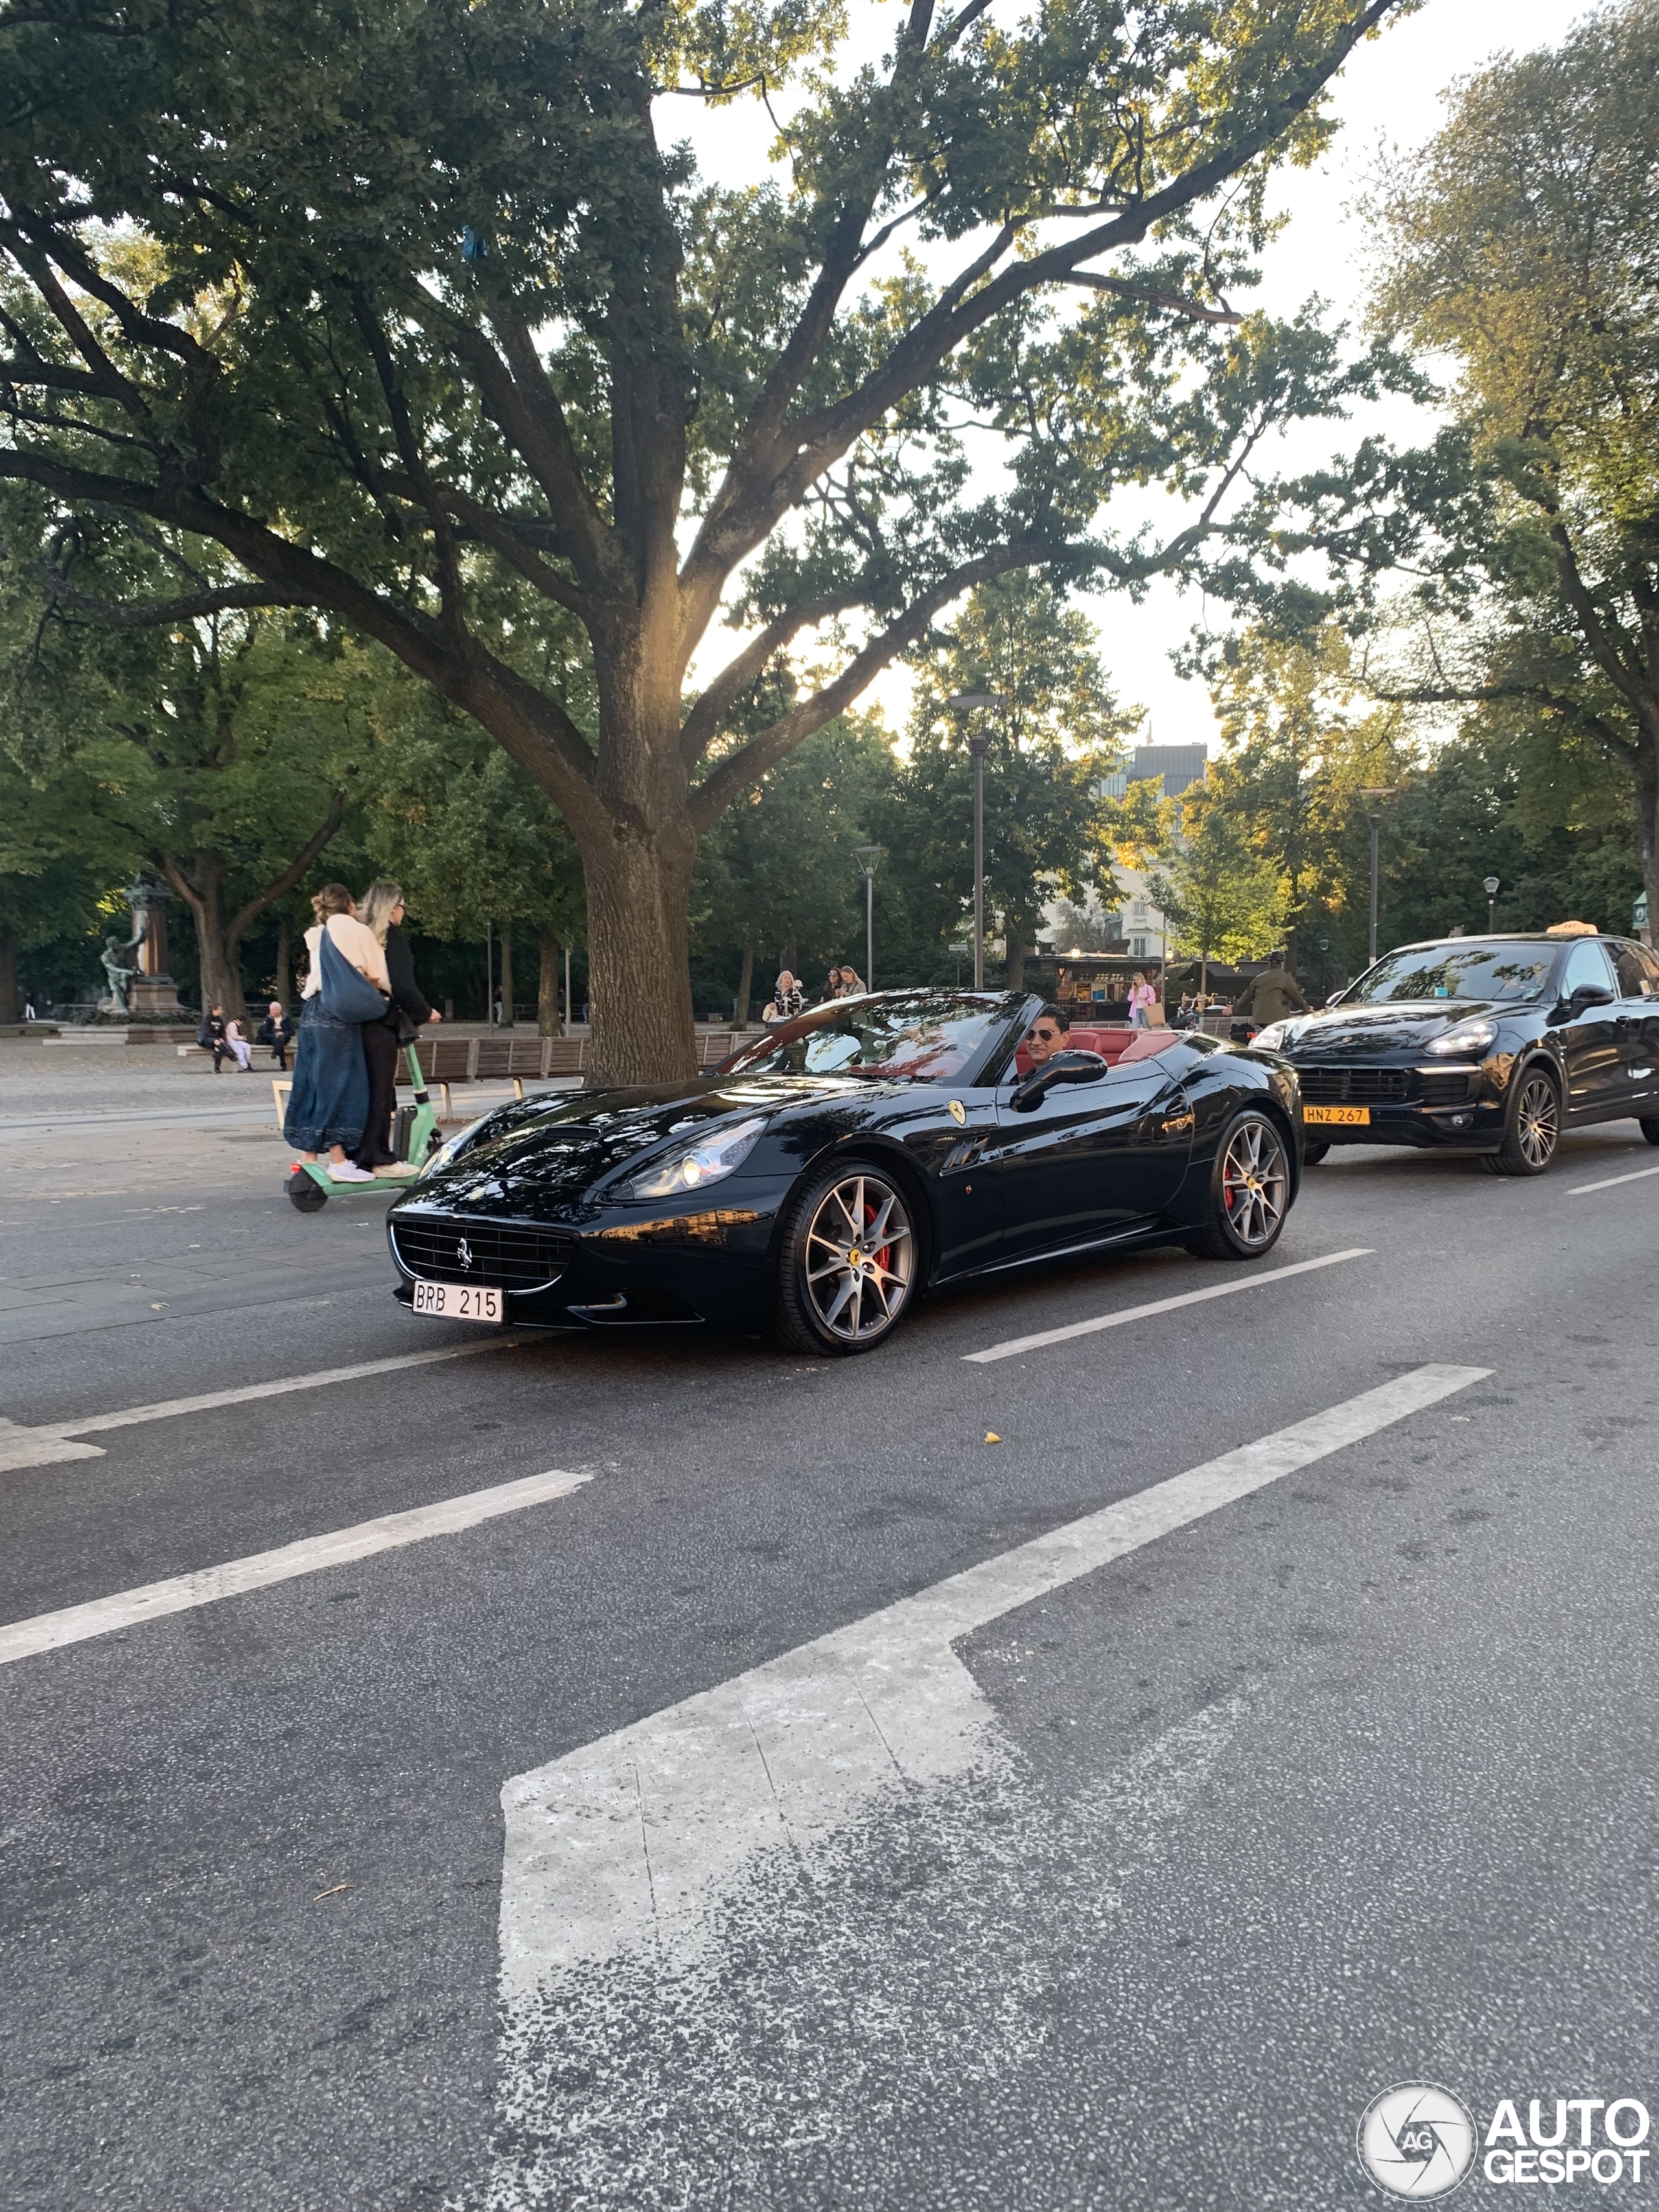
{"x":1001,"y":1008}
{"x":1534,"y":949}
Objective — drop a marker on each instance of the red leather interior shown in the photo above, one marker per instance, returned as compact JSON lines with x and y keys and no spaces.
{"x":1112,"y":1044}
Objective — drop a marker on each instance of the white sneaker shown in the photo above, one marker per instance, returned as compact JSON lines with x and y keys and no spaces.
{"x":350,"y":1172}
{"x":398,"y":1169}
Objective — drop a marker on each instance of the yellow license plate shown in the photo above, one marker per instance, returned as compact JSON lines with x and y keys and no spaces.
{"x":1353,"y":1117}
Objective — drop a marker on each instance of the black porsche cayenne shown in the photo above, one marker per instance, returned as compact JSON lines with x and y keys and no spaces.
{"x":1490,"y":1045}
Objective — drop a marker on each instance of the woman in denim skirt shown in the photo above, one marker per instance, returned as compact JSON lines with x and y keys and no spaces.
{"x":328,"y":1105}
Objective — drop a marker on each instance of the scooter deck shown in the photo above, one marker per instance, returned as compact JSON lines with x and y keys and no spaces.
{"x":324,"y":1182}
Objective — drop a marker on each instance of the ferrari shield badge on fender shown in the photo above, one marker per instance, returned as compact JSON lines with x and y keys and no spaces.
{"x":959,"y":1113}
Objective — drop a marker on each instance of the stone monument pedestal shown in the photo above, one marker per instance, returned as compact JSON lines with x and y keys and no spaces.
{"x":152,"y":990}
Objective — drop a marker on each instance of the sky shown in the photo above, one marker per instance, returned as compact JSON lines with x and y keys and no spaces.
{"x":1388,"y":98}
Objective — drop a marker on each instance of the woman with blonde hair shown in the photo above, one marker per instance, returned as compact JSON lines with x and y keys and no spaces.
{"x":329,"y":1102}
{"x":382,"y":910}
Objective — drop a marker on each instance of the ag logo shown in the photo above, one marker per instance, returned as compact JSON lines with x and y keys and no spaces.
{"x":959,"y":1113}
{"x":1417,"y":2141}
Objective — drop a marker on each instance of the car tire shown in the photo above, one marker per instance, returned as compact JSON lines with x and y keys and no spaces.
{"x":1649,"y":1127}
{"x":1312,"y":1154}
{"x":1533,"y":1134}
{"x":837,"y":1292}
{"x":1250,"y":1190}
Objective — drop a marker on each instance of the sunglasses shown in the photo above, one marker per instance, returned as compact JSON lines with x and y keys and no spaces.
{"x":1048,"y":1036}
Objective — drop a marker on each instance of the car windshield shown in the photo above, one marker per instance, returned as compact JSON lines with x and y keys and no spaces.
{"x":925,"y":1037}
{"x":1457,"y":971}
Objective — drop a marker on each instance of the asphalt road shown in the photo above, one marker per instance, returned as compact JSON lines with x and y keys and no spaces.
{"x":1340,"y":1780}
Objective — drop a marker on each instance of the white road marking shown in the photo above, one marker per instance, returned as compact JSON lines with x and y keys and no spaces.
{"x":1639,"y":1175}
{"x":36,"y":1447}
{"x":628,"y":1845}
{"x":1015,"y":1346}
{"x":50,"y":1631}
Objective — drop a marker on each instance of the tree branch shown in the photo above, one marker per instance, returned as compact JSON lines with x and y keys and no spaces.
{"x":153,"y":613}
{"x":703,"y":723}
{"x":519,"y":399}
{"x":1128,"y":291}
{"x":242,"y":918}
{"x":731,"y":777}
{"x":1481,"y":694}
{"x":531,"y":726}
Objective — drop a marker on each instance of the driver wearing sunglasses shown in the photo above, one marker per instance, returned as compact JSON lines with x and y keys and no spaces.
{"x":1047,"y":1035}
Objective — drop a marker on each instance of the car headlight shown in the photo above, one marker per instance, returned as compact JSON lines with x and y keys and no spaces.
{"x":1271,"y":1039}
{"x":452,"y":1147}
{"x":1468,"y":1036}
{"x":704,"y":1160}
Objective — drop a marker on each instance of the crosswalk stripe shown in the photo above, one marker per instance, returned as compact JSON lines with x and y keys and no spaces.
{"x":74,"y":1624}
{"x":1014,"y":1346}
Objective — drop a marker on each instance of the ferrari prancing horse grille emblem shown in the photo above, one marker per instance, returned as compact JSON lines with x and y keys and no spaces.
{"x":463,"y":1253}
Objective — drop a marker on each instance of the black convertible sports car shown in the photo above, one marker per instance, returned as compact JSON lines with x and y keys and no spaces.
{"x":1483,"y":1044}
{"x":826,"y":1176}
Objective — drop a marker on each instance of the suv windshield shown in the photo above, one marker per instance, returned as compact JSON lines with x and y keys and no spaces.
{"x":1457,"y":971}
{"x":925,"y":1037}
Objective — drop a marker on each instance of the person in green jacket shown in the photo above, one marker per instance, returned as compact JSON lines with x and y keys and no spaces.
{"x":1274,"y":994}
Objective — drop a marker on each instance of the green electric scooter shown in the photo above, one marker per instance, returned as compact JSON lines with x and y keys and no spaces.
{"x":413,"y":1134}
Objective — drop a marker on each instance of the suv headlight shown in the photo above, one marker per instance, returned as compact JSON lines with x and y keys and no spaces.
{"x":1468,"y":1036}
{"x":704,"y":1160}
{"x":1271,"y":1039}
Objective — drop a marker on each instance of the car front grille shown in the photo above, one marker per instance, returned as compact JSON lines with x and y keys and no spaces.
{"x":496,"y":1255}
{"x":1352,"y":1086}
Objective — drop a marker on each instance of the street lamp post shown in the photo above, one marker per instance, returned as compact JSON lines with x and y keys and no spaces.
{"x":869,"y":858}
{"x":1491,"y":887}
{"x":1375,"y":792}
{"x":966,"y":702}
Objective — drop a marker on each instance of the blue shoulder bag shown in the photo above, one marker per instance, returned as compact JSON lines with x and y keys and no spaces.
{"x":346,"y":996}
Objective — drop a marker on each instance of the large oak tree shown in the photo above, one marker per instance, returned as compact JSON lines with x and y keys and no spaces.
{"x":418,"y":312}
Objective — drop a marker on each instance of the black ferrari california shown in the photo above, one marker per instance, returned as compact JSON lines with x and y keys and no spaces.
{"x":1490,"y":1045}
{"x":829,"y":1174}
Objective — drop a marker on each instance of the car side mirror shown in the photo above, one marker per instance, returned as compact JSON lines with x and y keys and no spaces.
{"x":1589,"y":995}
{"x":1067,"y":1066}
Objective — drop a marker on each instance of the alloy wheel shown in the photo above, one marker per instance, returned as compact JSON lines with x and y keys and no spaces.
{"x":860,"y":1258}
{"x":1537,"y":1121}
{"x":1255,"y":1182}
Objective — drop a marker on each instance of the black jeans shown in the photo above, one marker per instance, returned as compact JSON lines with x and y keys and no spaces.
{"x":380,"y":1051}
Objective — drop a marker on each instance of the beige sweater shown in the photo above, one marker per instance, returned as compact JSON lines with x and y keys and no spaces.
{"x":360,"y":945}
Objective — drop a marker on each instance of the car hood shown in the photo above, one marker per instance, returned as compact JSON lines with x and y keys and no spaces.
{"x":552,"y":1151}
{"x":1405,"y":1026}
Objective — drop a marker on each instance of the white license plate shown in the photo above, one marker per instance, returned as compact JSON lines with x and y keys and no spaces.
{"x":457,"y":1301}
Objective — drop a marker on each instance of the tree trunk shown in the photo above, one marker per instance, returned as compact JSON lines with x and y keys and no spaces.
{"x":787,"y":957}
{"x":638,"y":957}
{"x":283,"y":984}
{"x":1647,"y":847}
{"x":745,"y":987}
{"x":1014,"y":966}
{"x":204,"y":891}
{"x":547,"y":984}
{"x":10,"y":1011}
{"x":504,"y":939}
